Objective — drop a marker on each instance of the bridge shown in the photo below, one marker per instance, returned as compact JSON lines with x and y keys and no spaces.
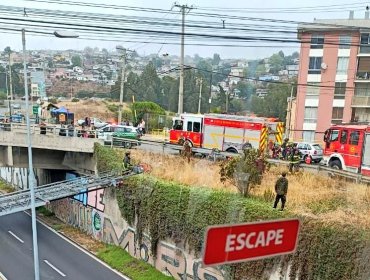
{"x":50,"y":150}
{"x":21,"y":200}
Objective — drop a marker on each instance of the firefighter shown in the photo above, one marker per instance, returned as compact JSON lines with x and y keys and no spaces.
{"x":127,"y":160}
{"x":294,"y":159}
{"x":281,"y":190}
{"x":284,"y":147}
{"x":187,"y":150}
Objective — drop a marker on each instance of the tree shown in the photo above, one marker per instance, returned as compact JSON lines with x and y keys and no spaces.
{"x":76,"y":61}
{"x":274,"y":104}
{"x":276,"y":63}
{"x":250,"y":166}
{"x":216,"y":59}
{"x":246,"y":89}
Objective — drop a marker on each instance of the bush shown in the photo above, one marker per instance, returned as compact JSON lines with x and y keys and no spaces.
{"x":75,"y":100}
{"x":250,"y":163}
{"x":53,"y":100}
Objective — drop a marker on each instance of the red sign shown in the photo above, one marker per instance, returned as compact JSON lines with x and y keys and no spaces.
{"x":236,"y":243}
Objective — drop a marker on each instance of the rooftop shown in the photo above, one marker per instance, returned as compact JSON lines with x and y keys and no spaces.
{"x":350,"y":23}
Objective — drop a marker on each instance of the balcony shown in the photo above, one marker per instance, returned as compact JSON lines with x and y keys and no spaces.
{"x":363,"y":77}
{"x":361,"y":101}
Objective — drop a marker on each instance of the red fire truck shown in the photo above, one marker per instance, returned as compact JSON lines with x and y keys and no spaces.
{"x":347,"y":147}
{"x":225,"y":132}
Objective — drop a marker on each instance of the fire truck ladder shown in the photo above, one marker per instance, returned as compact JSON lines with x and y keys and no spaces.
{"x":21,"y":200}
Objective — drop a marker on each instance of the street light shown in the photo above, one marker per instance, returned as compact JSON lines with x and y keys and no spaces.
{"x":31,"y":175}
{"x":123,"y":71}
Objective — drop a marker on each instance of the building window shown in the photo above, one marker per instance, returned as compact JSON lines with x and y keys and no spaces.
{"x":310,"y":114}
{"x":342,"y":66}
{"x":317,"y":41}
{"x":363,"y":68}
{"x":344,"y":42}
{"x":314,"y":66}
{"x":362,"y":89}
{"x":364,"y":47}
{"x":308,"y":136}
{"x":337,"y":115}
{"x":313,"y":91}
{"x":340,"y":91}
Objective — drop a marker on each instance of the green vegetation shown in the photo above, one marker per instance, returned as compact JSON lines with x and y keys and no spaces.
{"x":120,"y":260}
{"x":249,"y":163}
{"x":107,"y":159}
{"x":274,"y":104}
{"x":45,"y":211}
{"x":6,"y":187}
{"x":170,"y":210}
{"x":75,"y":99}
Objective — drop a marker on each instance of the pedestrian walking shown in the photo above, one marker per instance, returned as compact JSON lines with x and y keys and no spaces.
{"x":142,"y":125}
{"x":281,"y":190}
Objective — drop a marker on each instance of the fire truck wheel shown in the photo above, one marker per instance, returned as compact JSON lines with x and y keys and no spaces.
{"x":335,"y":164}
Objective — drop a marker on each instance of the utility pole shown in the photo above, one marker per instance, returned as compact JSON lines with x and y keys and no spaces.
{"x":287,"y":135}
{"x":123,"y":77}
{"x":183,"y":9}
{"x":227,"y":102}
{"x":200,"y":93}
{"x":10,"y":77}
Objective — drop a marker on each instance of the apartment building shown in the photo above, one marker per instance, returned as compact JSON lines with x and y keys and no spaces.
{"x":334,"y":75}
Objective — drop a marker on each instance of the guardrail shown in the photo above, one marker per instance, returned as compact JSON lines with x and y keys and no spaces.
{"x":49,"y":130}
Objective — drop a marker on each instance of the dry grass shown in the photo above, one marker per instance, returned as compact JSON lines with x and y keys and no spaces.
{"x":309,"y":194}
{"x":175,"y":168}
{"x":89,"y":108}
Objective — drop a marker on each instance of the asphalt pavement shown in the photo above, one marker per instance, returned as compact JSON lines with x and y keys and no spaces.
{"x":59,"y":259}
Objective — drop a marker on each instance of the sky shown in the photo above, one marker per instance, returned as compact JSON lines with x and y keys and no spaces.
{"x":267,"y":9}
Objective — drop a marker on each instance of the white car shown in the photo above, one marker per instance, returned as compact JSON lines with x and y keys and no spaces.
{"x":107,"y":131}
{"x":95,"y":122}
{"x":310,"y":149}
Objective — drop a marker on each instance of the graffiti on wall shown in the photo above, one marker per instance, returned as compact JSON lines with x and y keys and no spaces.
{"x":170,"y":259}
{"x":92,"y":197}
{"x":15,"y":176}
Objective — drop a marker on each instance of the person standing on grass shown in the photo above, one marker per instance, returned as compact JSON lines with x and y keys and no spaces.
{"x":127,"y":160}
{"x":281,"y":189}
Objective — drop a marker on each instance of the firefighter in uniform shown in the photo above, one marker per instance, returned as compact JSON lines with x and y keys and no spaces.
{"x":281,"y":189}
{"x":187,"y":150}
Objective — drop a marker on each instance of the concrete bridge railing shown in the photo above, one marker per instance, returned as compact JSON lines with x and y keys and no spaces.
{"x":15,"y":135}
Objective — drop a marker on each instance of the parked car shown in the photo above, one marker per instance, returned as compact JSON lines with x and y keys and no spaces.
{"x":16,"y":106}
{"x":312,"y":150}
{"x":95,"y":122}
{"x":129,"y":133}
{"x":17,"y":118}
{"x":107,"y":131}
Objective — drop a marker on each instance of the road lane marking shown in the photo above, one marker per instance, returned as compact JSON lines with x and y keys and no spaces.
{"x":83,"y":250}
{"x":15,"y":236}
{"x":53,"y":267}
{"x":2,"y":277}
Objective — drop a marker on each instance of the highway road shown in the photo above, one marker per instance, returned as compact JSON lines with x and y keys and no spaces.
{"x":59,"y":259}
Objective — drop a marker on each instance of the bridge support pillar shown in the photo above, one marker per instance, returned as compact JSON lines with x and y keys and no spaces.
{"x":9,"y":158}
